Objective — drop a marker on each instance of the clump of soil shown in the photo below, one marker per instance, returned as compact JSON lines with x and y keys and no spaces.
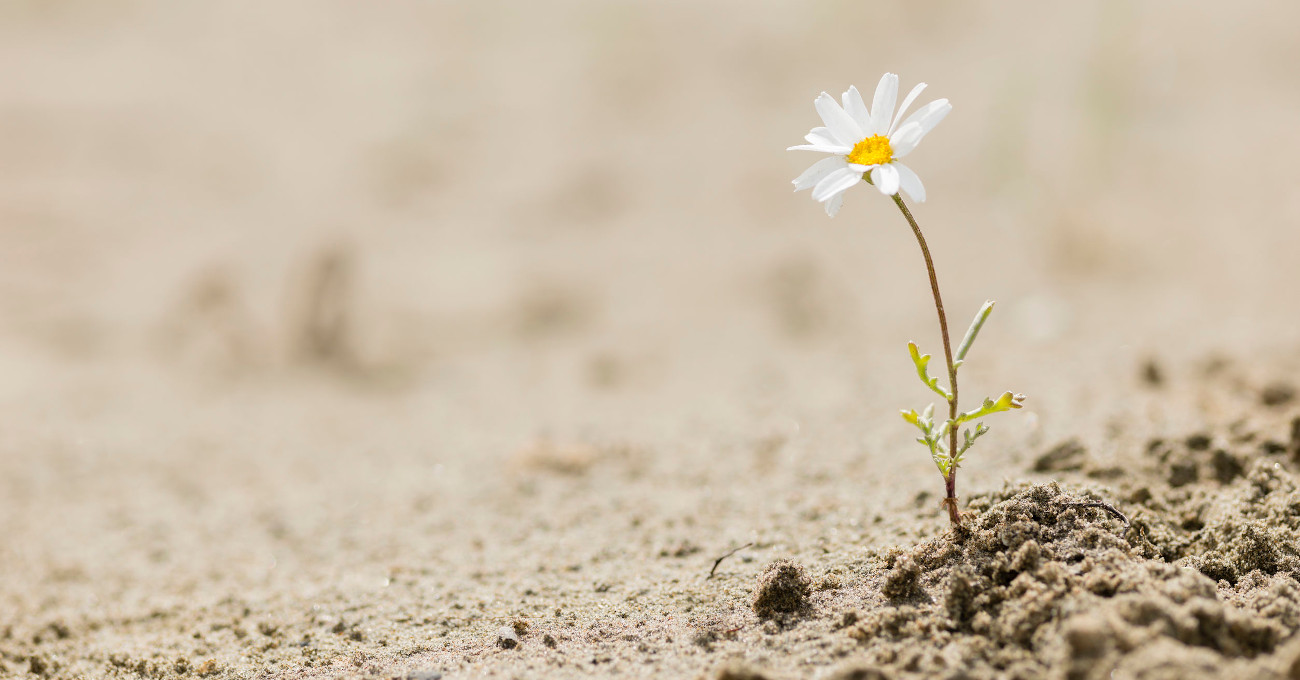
{"x":1196,"y":458}
{"x":904,"y":580}
{"x":1037,"y":586}
{"x":1251,"y":527}
{"x":740,"y":673}
{"x":1277,"y":394}
{"x":783,"y":588}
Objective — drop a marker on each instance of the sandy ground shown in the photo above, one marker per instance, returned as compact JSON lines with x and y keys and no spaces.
{"x":337,"y":337}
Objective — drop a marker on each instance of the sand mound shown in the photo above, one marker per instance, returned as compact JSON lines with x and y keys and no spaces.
{"x":1205,"y":582}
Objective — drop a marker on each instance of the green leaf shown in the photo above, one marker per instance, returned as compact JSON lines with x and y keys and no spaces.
{"x":974,"y":330}
{"x":969,"y":439}
{"x":1006,"y":402}
{"x":922,"y":361}
{"x":932,"y":440}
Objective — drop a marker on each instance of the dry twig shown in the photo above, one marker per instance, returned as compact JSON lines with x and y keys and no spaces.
{"x":720,"y":559}
{"x":1104,"y":506}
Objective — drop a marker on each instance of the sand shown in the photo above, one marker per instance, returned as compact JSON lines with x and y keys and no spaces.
{"x":462,"y":340}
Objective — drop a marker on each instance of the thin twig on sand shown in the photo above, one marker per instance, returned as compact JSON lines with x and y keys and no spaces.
{"x":720,"y":559}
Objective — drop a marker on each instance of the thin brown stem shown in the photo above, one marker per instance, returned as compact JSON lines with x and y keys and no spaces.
{"x":950,"y":481}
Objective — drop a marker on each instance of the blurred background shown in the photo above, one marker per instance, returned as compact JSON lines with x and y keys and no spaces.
{"x":282,"y":280}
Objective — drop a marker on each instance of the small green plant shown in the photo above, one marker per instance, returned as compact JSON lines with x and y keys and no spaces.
{"x":866,"y":145}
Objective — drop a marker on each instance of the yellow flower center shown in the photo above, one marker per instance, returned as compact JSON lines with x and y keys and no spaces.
{"x":873,"y":150}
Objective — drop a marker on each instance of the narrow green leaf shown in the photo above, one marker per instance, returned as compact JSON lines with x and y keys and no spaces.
{"x":922,"y":361}
{"x":974,"y":330}
{"x":1006,"y":402}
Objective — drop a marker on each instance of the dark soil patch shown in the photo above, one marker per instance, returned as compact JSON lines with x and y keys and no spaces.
{"x":1205,"y":583}
{"x":783,"y":588}
{"x":1033,"y":587}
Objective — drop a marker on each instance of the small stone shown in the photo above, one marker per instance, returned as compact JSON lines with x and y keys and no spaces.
{"x":850,"y":617}
{"x":1151,"y":373}
{"x":549,"y":640}
{"x":424,"y":674}
{"x":207,"y":668}
{"x":740,"y":672}
{"x":1107,"y":472}
{"x":1183,"y":473}
{"x":1295,"y":438}
{"x":860,"y":673}
{"x":1066,"y":456}
{"x":1199,"y":441}
{"x":1226,"y":466}
{"x":1272,"y":447}
{"x":684,"y":549}
{"x":1277,"y":394}
{"x":507,"y":638}
{"x":704,"y":639}
{"x":783,"y":588}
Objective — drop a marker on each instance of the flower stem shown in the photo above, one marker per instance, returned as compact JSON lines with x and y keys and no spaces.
{"x":950,"y":480}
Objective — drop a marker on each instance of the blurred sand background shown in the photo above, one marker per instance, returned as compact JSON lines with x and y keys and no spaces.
{"x":414,"y":318}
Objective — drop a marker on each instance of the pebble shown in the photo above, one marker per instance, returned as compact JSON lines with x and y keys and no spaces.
{"x":507,"y":638}
{"x":1277,"y":394}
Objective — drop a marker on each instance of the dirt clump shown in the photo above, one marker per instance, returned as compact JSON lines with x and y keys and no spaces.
{"x":903,"y":581}
{"x":1253,"y":526}
{"x":1198,"y":457}
{"x":507,"y":637}
{"x":1037,"y":586}
{"x":739,"y":672}
{"x":783,"y":588}
{"x":1277,"y":394}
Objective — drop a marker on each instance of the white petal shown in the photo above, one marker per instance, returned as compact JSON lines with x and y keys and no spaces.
{"x":886,"y":178}
{"x":907,"y":101}
{"x":835,"y":182}
{"x":834,"y":204}
{"x":906,"y":139}
{"x":910,"y":183}
{"x":840,"y":123}
{"x":822,"y":136}
{"x":857,"y":109}
{"x":817,"y":171}
{"x":823,"y":139}
{"x":855,"y":167}
{"x":929,"y":115}
{"x":841,"y":150}
{"x":882,"y":106}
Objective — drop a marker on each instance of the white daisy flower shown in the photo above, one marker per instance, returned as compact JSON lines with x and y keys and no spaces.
{"x":863,"y":141}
